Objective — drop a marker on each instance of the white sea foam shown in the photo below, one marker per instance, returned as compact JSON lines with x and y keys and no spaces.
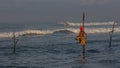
{"x":44,"y":32}
{"x":87,"y":24}
{"x":93,"y":30}
{"x":25,"y":32}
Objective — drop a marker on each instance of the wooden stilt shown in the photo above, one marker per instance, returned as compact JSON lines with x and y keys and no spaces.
{"x":110,"y":40}
{"x":14,"y":42}
{"x":111,"y":34}
{"x":83,"y":52}
{"x":83,"y":30}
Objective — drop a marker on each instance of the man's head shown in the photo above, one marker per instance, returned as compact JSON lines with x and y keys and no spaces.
{"x":81,"y":28}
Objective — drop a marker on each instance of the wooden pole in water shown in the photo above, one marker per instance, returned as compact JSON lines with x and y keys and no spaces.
{"x":83,"y":51}
{"x":110,"y":34}
{"x":83,"y":46}
{"x":14,"y":42}
{"x":110,"y":40}
{"x":83,"y":19}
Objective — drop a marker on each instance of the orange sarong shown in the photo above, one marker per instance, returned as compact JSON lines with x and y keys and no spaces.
{"x":81,"y":40}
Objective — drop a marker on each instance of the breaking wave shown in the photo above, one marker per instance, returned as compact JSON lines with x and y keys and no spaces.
{"x":25,"y":32}
{"x":64,"y":30}
{"x":87,"y":24}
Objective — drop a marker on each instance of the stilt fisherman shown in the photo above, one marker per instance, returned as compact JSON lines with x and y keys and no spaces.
{"x":82,"y":36}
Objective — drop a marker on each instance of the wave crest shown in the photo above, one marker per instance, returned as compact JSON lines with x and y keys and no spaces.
{"x":87,"y":24}
{"x":64,"y":30}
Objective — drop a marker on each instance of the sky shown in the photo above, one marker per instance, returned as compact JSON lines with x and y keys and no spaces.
{"x":58,"y":10}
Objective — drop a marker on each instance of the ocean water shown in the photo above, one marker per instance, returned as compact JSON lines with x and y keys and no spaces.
{"x":53,"y":45}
